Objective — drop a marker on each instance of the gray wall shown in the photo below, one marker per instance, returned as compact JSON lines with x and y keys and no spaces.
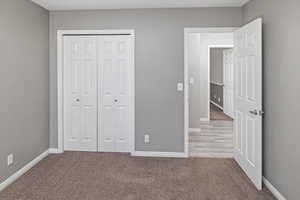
{"x":24,"y":83}
{"x":281,"y":91}
{"x":159,"y":64}
{"x":216,"y":65}
{"x":216,"y":75}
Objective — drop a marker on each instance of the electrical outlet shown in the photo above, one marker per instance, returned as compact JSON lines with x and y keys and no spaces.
{"x":10,"y":159}
{"x":192,"y":81}
{"x":147,"y":139}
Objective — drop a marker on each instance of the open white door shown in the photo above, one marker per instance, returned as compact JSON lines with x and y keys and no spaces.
{"x":228,"y":82}
{"x":248,"y":100}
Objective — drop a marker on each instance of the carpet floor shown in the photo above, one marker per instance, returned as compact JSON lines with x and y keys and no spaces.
{"x":115,"y":176}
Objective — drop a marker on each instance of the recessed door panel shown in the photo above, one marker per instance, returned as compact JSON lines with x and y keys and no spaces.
{"x":122,"y":133}
{"x":239,"y":131}
{"x":74,"y":136}
{"x":250,"y":75}
{"x":108,"y":129}
{"x":250,"y":140}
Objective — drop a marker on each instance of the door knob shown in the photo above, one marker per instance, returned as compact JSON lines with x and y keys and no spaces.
{"x":261,"y":113}
{"x":77,"y":100}
{"x":254,"y":112}
{"x":116,"y":100}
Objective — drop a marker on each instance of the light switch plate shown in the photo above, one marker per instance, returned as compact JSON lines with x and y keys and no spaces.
{"x":10,"y":159}
{"x":179,"y":87}
{"x":192,"y":80}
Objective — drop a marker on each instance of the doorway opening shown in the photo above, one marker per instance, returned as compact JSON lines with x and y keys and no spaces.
{"x":221,"y":83}
{"x":209,"y":65}
{"x":217,"y":138}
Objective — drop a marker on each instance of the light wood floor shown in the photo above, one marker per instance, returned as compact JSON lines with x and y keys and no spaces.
{"x":213,"y":139}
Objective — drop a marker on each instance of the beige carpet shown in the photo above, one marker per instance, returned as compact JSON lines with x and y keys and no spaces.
{"x":107,"y":176}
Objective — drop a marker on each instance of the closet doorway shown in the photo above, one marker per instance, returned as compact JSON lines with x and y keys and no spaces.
{"x":97,"y":91}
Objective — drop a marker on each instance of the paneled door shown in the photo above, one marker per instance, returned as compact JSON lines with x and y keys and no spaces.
{"x":80,"y":93}
{"x":248,"y":100}
{"x":115,"y":88}
{"x":228,"y":82}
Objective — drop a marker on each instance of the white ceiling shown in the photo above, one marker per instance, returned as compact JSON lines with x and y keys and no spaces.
{"x":120,"y":4}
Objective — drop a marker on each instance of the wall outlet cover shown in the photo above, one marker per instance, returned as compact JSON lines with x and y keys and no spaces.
{"x":179,"y":87}
{"x":147,"y":139}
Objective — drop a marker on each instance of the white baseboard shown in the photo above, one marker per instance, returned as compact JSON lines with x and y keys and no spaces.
{"x":159,"y":154}
{"x":273,"y":190}
{"x":204,"y":120}
{"x":216,"y":104}
{"x":23,"y":170}
{"x":54,"y":151}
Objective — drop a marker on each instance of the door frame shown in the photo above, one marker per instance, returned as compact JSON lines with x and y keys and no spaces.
{"x":60,"y":80}
{"x":209,"y":70}
{"x":188,"y":31}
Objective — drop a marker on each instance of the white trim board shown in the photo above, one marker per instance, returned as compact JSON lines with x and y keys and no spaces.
{"x":216,"y":83}
{"x":211,"y":101}
{"x":54,"y":151}
{"x":54,"y":5}
{"x":23,"y":170}
{"x":60,"y":35}
{"x":159,"y":154}
{"x":273,"y":190}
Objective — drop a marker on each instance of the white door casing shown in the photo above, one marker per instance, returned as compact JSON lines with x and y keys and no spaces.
{"x":248,"y":100}
{"x":228,"y":74}
{"x":115,"y":89}
{"x":80,"y":93}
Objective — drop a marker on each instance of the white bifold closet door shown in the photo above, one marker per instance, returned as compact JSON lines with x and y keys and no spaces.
{"x":98,"y":100}
{"x":80,"y":93}
{"x":115,"y":92}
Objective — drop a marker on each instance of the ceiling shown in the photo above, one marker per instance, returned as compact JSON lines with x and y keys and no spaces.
{"x":122,"y":4}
